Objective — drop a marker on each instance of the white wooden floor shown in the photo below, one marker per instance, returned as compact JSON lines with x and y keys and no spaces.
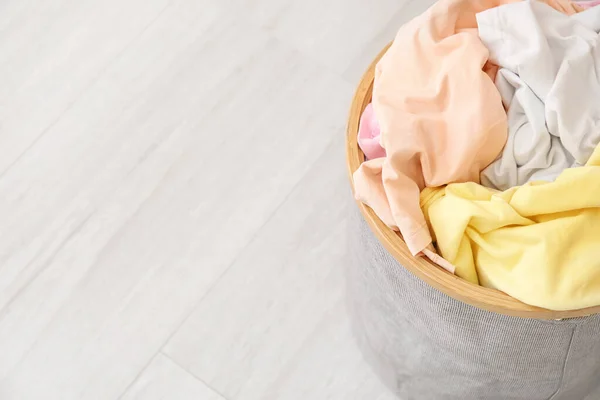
{"x":173,"y":197}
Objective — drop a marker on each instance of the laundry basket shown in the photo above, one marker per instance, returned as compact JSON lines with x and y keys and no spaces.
{"x":431,"y":335}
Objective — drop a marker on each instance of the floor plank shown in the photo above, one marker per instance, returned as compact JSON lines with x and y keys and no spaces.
{"x":275,"y":326}
{"x":156,"y":92}
{"x":366,"y":53}
{"x":143,"y":145}
{"x":51,"y":52}
{"x":165,"y":380}
{"x":120,"y":218}
{"x":332,"y":32}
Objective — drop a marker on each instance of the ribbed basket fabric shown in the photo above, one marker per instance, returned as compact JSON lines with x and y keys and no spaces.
{"x":426,"y":345}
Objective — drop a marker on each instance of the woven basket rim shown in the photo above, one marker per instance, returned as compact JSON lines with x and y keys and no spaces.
{"x":453,"y":286}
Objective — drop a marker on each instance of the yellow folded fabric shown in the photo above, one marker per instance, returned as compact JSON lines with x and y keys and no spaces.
{"x":539,"y":243}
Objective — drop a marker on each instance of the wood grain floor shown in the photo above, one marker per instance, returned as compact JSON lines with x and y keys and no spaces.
{"x":173,"y":197}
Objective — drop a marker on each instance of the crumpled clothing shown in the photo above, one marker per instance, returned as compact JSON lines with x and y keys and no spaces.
{"x":369,"y":134}
{"x":549,"y":81}
{"x":441,"y":117}
{"x":538,"y":242}
{"x":588,"y":4}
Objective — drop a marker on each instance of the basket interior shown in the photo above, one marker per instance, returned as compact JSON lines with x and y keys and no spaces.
{"x":453,"y":286}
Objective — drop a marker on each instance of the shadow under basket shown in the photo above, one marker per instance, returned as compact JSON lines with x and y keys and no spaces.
{"x":433,"y":336}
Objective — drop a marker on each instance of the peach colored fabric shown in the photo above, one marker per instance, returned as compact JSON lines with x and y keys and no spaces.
{"x":369,"y":134}
{"x":564,"y":6}
{"x":441,"y":116}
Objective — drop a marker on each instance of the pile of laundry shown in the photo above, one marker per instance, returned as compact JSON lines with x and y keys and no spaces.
{"x":482,"y":145}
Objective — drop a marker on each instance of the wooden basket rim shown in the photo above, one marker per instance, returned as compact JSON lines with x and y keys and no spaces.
{"x":453,"y":286}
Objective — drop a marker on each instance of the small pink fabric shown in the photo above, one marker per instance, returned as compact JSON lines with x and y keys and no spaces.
{"x":588,"y":4}
{"x":369,"y":134}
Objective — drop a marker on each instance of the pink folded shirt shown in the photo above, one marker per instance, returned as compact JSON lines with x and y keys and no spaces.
{"x":369,"y":134}
{"x":588,"y":4}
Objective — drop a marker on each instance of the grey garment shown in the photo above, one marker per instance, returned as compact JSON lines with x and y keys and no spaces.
{"x":425,"y":345}
{"x":549,"y":81}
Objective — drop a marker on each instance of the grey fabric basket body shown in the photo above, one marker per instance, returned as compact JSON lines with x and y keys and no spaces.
{"x":426,"y":345}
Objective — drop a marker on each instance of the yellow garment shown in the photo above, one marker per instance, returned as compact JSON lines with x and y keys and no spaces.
{"x":539,"y":243}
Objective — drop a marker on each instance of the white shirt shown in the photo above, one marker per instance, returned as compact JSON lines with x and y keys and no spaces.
{"x":549,"y":80}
